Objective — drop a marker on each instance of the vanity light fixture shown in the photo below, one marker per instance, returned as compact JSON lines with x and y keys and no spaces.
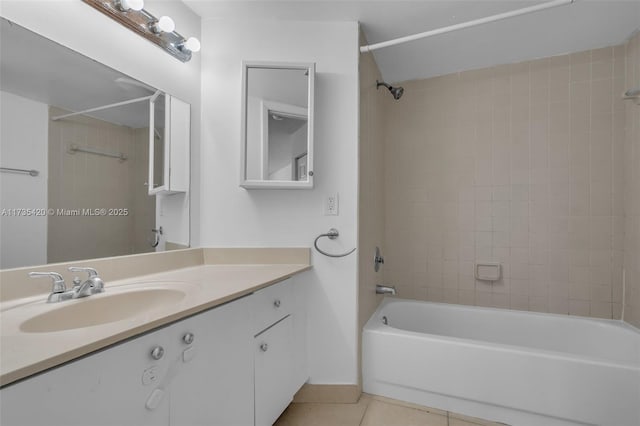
{"x":126,"y":5}
{"x":192,"y":44}
{"x":163,"y":25}
{"x":161,"y":31}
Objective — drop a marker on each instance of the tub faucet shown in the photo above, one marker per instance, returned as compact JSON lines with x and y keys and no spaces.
{"x":92,"y":285}
{"x":386,"y":289}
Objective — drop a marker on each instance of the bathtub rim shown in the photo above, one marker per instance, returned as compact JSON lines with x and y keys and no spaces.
{"x":374,"y":324}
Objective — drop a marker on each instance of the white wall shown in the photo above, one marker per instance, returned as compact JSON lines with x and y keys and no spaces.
{"x":24,"y":134}
{"x":80,"y":27}
{"x":232,"y":216}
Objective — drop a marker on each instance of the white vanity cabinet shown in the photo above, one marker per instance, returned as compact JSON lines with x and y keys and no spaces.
{"x":208,"y":381}
{"x":238,"y":364}
{"x":279,"y":342}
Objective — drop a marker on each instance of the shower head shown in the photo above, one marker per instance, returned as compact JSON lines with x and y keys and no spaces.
{"x":396,"y":92}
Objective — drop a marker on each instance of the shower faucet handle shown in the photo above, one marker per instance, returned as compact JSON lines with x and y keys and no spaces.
{"x":377,"y":259}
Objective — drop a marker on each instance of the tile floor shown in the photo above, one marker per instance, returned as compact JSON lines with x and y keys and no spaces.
{"x":372,"y":410}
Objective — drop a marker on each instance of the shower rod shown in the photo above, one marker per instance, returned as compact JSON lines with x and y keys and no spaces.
{"x":468,"y":24}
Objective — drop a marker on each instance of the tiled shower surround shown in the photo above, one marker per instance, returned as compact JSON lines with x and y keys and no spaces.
{"x":523,"y":164}
{"x":77,"y":181}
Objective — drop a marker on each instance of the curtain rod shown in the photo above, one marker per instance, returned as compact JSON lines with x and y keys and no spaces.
{"x":475,"y":22}
{"x":117,"y":104}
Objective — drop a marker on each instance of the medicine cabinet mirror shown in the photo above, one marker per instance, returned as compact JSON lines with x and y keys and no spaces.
{"x":277,"y":125}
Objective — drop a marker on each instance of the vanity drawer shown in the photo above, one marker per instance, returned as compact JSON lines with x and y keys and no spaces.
{"x":271,"y":304}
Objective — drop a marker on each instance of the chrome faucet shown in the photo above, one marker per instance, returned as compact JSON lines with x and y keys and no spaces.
{"x":385,"y":289}
{"x":59,"y":291}
{"x":92,"y":285}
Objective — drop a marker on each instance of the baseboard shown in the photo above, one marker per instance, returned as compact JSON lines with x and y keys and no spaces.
{"x":328,"y":394}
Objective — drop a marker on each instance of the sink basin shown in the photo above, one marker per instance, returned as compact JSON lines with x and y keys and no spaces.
{"x":101,"y":309}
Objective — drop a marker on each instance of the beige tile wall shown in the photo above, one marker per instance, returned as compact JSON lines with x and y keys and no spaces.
{"x":520,"y":164}
{"x":371,"y":181}
{"x":632,"y":187}
{"x":83,"y":180}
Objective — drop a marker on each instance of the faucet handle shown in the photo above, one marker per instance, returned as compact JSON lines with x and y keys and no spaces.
{"x":95,"y":281}
{"x":91,"y":271}
{"x":58,"y":281}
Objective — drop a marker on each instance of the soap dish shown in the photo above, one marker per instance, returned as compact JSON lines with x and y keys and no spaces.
{"x":488,"y":271}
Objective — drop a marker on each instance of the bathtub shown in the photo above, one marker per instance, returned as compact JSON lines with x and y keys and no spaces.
{"x":515,"y":367}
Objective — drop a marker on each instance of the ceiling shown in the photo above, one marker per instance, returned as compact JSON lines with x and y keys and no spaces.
{"x":39,"y":69}
{"x":583,"y":25}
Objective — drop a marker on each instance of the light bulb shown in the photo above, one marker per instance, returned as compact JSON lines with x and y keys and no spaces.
{"x":126,"y":5}
{"x":192,"y":44}
{"x":165,"y":24}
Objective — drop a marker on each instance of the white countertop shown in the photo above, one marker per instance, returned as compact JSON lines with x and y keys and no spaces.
{"x":25,"y":353}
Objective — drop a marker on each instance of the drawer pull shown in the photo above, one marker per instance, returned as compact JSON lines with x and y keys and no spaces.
{"x":157,"y":352}
{"x":276,"y":303}
{"x":188,"y":338}
{"x":264,"y":347}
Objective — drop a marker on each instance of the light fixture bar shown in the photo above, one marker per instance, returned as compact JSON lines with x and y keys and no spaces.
{"x":475,"y":22}
{"x":143,"y":23}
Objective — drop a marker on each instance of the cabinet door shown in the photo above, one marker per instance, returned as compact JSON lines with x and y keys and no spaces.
{"x":169,"y":145}
{"x":179,"y":139}
{"x":104,"y":389}
{"x":273,"y":372}
{"x":213,"y":383}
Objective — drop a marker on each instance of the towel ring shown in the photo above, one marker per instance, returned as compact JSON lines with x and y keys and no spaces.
{"x":332,"y":235}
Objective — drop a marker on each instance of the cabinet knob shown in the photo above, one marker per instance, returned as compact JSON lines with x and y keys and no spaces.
{"x":188,"y":338}
{"x":264,"y":347}
{"x":276,"y":303}
{"x":157,"y":352}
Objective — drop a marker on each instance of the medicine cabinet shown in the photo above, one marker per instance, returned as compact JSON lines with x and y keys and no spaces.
{"x":277,"y":125}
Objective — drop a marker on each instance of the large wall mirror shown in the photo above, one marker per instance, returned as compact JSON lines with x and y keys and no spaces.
{"x":277,"y":125}
{"x":73,"y":186}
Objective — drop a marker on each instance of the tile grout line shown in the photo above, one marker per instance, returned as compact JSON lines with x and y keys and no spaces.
{"x":364,"y":412}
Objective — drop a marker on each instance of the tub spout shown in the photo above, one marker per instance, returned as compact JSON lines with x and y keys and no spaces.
{"x":385,"y":289}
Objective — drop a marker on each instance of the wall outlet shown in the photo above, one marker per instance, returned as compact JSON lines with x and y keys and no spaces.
{"x":331,"y":205}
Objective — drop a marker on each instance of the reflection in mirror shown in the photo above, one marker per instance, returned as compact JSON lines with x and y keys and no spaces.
{"x":90,"y":198}
{"x":158,"y":106}
{"x":286,"y":142}
{"x":277,"y":130}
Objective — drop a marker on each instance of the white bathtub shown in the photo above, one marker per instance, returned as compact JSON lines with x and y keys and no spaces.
{"x":516,"y":367}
